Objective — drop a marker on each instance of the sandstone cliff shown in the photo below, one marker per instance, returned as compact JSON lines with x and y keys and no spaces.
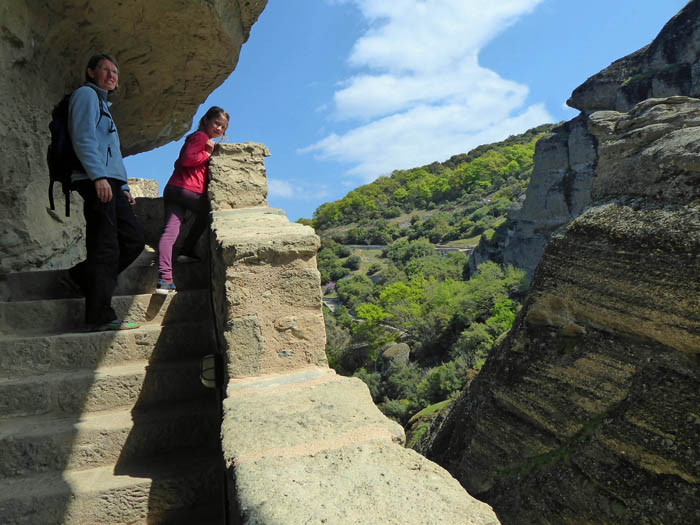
{"x":587,"y":410}
{"x":565,"y":159}
{"x":45,"y":46}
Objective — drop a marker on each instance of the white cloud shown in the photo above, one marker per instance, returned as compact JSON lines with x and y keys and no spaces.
{"x":277,"y":188}
{"x":420,"y":94}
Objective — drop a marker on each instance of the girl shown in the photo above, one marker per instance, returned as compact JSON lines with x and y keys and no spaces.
{"x":186,"y":191}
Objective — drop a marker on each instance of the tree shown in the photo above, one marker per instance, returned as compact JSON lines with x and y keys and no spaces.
{"x":353,"y":262}
{"x":355,"y":290}
{"x":473,"y":345}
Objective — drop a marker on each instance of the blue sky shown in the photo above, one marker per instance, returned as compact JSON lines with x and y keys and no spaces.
{"x":343,"y":91}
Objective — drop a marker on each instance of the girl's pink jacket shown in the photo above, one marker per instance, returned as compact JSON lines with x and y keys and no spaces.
{"x":191,"y":166}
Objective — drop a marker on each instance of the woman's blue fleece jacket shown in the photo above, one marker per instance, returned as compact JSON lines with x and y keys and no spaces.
{"x":94,"y":136}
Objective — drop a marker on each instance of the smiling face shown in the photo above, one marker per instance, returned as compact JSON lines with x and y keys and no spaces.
{"x":105,"y":75}
{"x":216,"y":127}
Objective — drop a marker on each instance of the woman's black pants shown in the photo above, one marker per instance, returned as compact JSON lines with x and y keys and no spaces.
{"x":113,"y":239}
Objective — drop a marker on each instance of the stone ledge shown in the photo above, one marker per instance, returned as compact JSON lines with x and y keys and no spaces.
{"x":261,"y":234}
{"x":311,"y":447}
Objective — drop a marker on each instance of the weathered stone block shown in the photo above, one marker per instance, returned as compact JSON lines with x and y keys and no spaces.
{"x":244,"y":343}
{"x":265,"y":268}
{"x":238,"y":176}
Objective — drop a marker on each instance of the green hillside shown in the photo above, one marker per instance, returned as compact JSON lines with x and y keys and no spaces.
{"x":456,"y":200}
{"x":404,"y":318}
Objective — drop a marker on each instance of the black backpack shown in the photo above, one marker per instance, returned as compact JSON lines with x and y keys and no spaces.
{"x":60,"y":155}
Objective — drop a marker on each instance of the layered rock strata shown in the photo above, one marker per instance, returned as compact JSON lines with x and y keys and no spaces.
{"x":587,"y":411}
{"x":45,"y":46}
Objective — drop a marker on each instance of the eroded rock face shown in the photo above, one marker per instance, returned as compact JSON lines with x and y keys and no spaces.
{"x":238,"y":177}
{"x":558,"y":192}
{"x":45,"y":46}
{"x":670,"y":65}
{"x":587,"y":412}
{"x":565,"y":159}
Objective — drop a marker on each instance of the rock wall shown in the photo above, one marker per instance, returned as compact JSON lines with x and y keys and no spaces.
{"x":565,"y":159}
{"x":559,"y":190}
{"x":45,"y":46}
{"x":587,"y":410}
{"x":666,"y":67}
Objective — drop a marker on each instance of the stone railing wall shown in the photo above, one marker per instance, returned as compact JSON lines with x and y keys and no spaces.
{"x":265,"y":286}
{"x":301,"y":444}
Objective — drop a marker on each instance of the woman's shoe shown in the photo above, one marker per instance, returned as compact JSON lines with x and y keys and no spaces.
{"x":165,"y":287}
{"x":117,"y":324}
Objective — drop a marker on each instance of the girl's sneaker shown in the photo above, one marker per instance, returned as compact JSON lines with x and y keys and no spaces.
{"x":165,"y":287}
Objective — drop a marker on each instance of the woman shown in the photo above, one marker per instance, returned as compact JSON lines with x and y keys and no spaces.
{"x":113,"y":237}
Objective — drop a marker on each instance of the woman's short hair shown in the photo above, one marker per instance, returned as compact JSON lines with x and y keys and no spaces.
{"x":95,"y":60}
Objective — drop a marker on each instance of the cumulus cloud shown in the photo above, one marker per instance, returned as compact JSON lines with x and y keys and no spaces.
{"x":277,"y":188}
{"x":420,"y":94}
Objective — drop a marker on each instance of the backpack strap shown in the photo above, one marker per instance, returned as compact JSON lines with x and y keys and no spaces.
{"x":66,"y":191}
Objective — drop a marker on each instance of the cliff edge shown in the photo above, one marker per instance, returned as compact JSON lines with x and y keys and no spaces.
{"x":587,"y":410}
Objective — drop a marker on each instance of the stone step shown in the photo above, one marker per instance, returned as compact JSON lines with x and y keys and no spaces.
{"x":135,"y":384}
{"x":178,"y":489}
{"x":22,"y":356}
{"x":67,"y":315}
{"x":141,"y":277}
{"x":30,"y":445}
{"x":311,"y":447}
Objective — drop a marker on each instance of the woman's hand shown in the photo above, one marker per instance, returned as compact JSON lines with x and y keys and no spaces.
{"x":131,"y":200}
{"x":104,"y":190}
{"x":209,"y":146}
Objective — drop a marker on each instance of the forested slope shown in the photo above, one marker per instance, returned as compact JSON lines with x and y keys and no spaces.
{"x":411,"y":322}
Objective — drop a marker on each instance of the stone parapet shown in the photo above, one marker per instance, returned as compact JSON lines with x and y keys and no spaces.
{"x":266,"y":288}
{"x":238,"y":176}
{"x":301,"y":444}
{"x":266,"y":292}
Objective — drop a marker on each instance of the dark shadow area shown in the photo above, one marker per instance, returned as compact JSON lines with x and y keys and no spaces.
{"x":127,"y":403}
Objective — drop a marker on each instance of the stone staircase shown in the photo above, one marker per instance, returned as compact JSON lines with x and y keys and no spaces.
{"x":111,"y":427}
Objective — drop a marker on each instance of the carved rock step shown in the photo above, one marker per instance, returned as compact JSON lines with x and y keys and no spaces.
{"x":135,"y":384}
{"x":23,"y":356}
{"x":311,"y":447}
{"x":141,"y":277}
{"x":30,"y":445}
{"x":66,"y":315}
{"x":187,"y":490}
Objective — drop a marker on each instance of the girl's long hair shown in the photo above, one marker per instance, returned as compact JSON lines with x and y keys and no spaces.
{"x":212,"y":113}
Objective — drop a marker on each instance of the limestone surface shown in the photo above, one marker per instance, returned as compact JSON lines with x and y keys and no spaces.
{"x":237,"y":176}
{"x":311,"y":447}
{"x":266,"y":291}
